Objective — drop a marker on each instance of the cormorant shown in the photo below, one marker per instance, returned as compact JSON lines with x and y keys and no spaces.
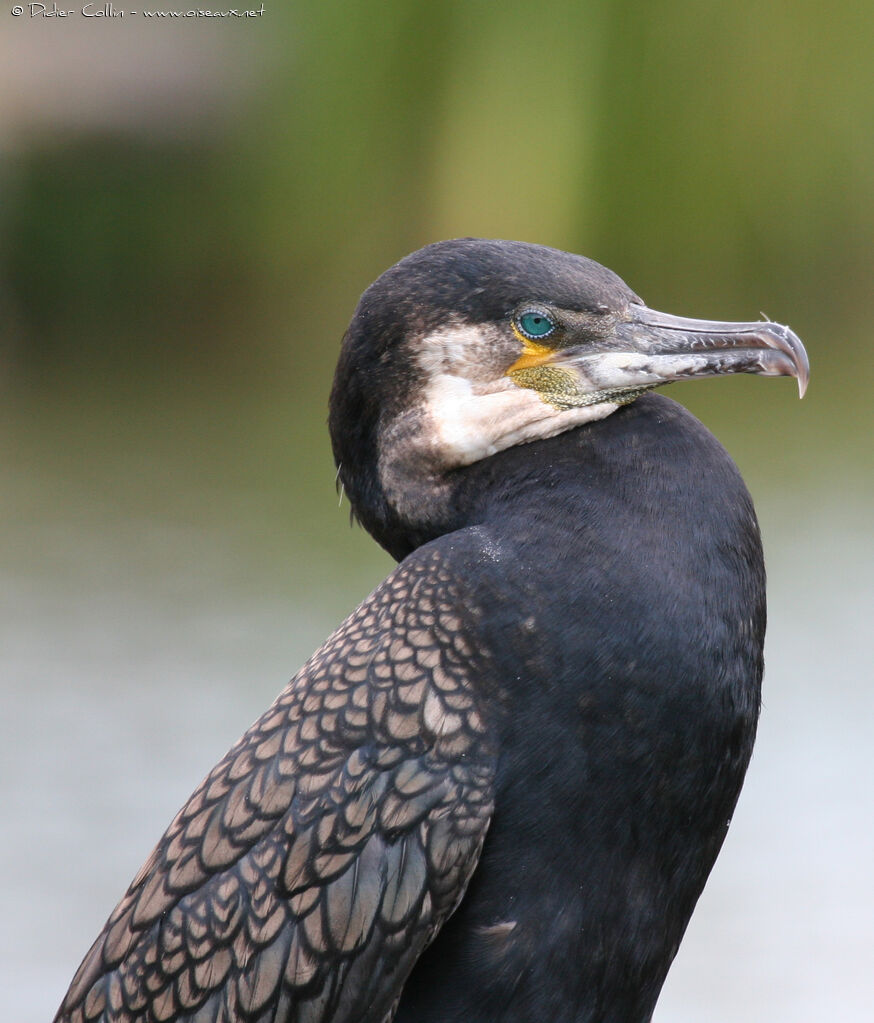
{"x":497,"y":790}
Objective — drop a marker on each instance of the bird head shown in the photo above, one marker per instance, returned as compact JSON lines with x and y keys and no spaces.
{"x":468,"y":347}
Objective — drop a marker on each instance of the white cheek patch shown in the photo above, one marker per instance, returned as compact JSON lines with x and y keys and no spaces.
{"x":483,"y":424}
{"x":471,"y":419}
{"x":467,"y":410}
{"x":469,"y":425}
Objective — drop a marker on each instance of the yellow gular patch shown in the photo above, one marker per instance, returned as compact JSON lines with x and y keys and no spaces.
{"x":532,"y":355}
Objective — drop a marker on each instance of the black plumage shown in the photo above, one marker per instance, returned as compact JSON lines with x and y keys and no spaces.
{"x":629,"y":695}
{"x":497,"y":791}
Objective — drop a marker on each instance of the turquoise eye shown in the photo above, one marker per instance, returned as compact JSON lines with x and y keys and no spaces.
{"x":536,"y":324}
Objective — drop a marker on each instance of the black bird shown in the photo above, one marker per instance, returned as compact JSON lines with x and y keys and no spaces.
{"x":497,"y":790}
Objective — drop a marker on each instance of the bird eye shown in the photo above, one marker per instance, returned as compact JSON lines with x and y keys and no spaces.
{"x":535,"y":323}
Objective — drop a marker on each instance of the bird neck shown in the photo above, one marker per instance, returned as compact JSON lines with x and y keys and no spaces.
{"x":406,"y":500}
{"x":615,"y":575}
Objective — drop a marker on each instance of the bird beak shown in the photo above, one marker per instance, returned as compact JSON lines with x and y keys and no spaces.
{"x":648,"y":348}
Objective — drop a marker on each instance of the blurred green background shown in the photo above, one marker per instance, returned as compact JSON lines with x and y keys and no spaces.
{"x":190,"y":210}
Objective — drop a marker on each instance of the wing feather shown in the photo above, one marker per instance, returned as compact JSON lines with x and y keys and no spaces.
{"x":307,"y":872}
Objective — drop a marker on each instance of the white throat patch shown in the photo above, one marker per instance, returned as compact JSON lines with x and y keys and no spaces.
{"x":473,"y":409}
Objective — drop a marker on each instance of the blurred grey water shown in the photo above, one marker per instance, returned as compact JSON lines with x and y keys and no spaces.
{"x":164,"y":572}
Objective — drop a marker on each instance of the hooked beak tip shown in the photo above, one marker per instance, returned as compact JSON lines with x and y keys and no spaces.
{"x":790,"y":343}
